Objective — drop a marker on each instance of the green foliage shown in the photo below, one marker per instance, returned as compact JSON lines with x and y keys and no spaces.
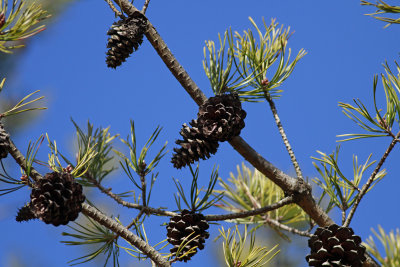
{"x":18,"y":108}
{"x":138,"y":164}
{"x":19,"y":23}
{"x":98,"y":143}
{"x":249,"y":190}
{"x":94,"y":234}
{"x":239,"y":253}
{"x":92,"y":157}
{"x":25,"y":178}
{"x":31,"y":154}
{"x":221,"y":77}
{"x":140,"y":231}
{"x":391,"y":245}
{"x":197,"y":202}
{"x":84,"y":159}
{"x":341,"y":190}
{"x":252,"y":60}
{"x":7,"y":179}
{"x":383,"y":8}
{"x":375,"y":123}
{"x":256,"y":58}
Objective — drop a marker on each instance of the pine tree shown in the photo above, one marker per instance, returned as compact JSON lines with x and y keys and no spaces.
{"x":247,"y":68}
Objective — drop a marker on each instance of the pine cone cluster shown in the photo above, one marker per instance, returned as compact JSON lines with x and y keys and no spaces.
{"x":335,"y":246}
{"x":56,"y":198}
{"x":126,"y":35}
{"x":187,"y":229}
{"x":219,"y":119}
{"x":4,"y":142}
{"x":194,"y":146}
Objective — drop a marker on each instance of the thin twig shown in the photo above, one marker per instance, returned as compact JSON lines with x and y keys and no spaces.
{"x":370,"y":180}
{"x":142,"y":175}
{"x":116,"y":11}
{"x":133,"y":239}
{"x":244,"y":214}
{"x":131,"y":205}
{"x":146,"y":4}
{"x":312,"y":225}
{"x":286,"y":228}
{"x":343,"y":216}
{"x":283,"y":134}
{"x":134,"y":221}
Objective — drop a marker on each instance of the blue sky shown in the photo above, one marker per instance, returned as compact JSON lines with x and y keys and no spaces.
{"x":67,"y":63}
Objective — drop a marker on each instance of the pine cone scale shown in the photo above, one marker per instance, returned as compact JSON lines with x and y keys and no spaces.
{"x":335,"y":246}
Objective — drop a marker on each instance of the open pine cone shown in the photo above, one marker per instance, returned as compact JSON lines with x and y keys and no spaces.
{"x":221,"y":117}
{"x":57,"y":198}
{"x":188,"y":229}
{"x":335,"y":246}
{"x":194,"y":146}
{"x":126,"y":35}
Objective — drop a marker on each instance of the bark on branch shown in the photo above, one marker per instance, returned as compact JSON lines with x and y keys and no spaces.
{"x":125,"y":234}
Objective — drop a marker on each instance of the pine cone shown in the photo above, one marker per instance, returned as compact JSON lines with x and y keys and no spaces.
{"x":126,"y":35}
{"x":335,"y":246}
{"x":194,"y":146}
{"x":188,"y":229}
{"x":221,"y":117}
{"x":57,"y":198}
{"x":25,"y":214}
{"x":4,"y":142}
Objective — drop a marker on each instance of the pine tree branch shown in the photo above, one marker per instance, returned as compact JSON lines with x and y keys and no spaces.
{"x":282,"y":226}
{"x":144,"y":187}
{"x":367,"y":185}
{"x":299,"y":188}
{"x":244,"y":214}
{"x":131,"y":205}
{"x":145,"y":6}
{"x":113,"y":8}
{"x":283,"y":134}
{"x":98,"y":216}
{"x":287,"y":183}
{"x":133,"y":239}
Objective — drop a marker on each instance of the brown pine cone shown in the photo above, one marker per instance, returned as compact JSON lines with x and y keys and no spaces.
{"x":126,"y":36}
{"x":335,"y":246}
{"x":57,"y":198}
{"x":221,"y":117}
{"x":194,"y":146}
{"x":188,"y":228}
